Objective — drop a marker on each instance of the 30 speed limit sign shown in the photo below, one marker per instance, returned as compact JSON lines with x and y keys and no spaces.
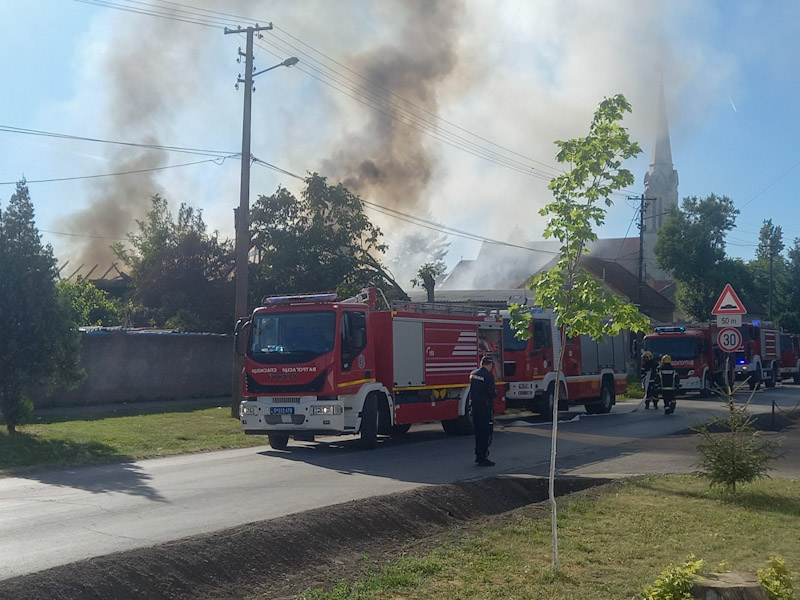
{"x":729,"y":339}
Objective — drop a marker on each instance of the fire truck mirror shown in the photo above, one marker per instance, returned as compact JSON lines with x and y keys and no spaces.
{"x":241,"y":336}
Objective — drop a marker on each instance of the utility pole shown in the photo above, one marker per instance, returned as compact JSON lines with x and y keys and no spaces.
{"x":243,"y":213}
{"x":642,"y":207}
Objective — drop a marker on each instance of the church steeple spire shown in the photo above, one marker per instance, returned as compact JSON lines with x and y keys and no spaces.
{"x":660,"y":189}
{"x":662,"y":151}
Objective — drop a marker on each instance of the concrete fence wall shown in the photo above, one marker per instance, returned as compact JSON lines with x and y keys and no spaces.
{"x":128,"y":366}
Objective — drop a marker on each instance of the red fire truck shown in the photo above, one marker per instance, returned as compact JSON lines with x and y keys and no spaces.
{"x":317,"y":366}
{"x":790,"y":357}
{"x":695,"y":354}
{"x":758,"y":360}
{"x":593,"y":373}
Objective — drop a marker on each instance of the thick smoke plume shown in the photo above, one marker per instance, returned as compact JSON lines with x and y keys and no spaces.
{"x":142,"y":92}
{"x":391,"y":161}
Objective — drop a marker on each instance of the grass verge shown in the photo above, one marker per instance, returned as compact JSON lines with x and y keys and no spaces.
{"x":611,"y":546}
{"x":62,"y":441}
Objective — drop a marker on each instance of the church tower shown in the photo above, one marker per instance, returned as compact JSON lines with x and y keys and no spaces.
{"x":660,"y":191}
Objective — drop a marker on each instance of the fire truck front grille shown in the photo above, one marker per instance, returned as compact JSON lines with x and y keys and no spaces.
{"x":286,"y":400}
{"x":278,"y":419}
{"x":285,"y":387}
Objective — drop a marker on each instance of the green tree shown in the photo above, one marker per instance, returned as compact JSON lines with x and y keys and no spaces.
{"x":180,"y":273}
{"x":769,"y":270}
{"x":39,"y":344}
{"x":322,"y":241}
{"x":691,"y":248}
{"x":581,"y":303}
{"x":89,"y":305}
{"x":426,"y":277}
{"x":790,"y":317}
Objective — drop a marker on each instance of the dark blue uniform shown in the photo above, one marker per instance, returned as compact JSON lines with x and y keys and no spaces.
{"x":650,"y":365}
{"x":482,"y":392}
{"x":668,"y":380}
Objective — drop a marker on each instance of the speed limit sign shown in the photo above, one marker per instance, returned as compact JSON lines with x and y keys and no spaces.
{"x":729,"y":339}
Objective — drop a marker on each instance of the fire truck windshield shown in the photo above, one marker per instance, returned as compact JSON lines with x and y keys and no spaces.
{"x":678,"y":348}
{"x":510,"y":342}
{"x":292,"y":337}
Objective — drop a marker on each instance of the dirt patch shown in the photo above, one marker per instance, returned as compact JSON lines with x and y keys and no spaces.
{"x":280,"y":557}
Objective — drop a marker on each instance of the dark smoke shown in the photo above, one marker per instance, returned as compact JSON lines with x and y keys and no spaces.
{"x":145,"y":88}
{"x":389,"y":162}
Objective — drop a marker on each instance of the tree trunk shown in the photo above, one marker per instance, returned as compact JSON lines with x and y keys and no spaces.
{"x":729,"y":586}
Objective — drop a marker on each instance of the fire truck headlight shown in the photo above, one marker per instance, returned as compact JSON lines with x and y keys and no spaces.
{"x":247,"y":410}
{"x":326,"y":409}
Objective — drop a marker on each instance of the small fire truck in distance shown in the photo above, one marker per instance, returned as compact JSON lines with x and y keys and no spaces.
{"x":790,"y":356}
{"x":758,"y":359}
{"x":695,"y":355}
{"x":593,"y":373}
{"x":317,"y":366}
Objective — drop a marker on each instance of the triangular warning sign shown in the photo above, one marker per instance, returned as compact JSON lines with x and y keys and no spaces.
{"x":728,"y":303}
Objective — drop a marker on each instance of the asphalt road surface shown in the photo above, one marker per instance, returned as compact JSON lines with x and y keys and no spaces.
{"x":54,"y":518}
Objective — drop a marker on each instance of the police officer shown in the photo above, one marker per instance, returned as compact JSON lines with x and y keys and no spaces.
{"x":668,"y":380}
{"x":482,"y":392}
{"x":650,"y":365}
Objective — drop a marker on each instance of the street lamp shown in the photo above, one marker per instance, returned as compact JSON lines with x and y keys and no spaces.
{"x":243,"y":214}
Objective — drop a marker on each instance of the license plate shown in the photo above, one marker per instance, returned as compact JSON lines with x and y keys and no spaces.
{"x":281,"y":410}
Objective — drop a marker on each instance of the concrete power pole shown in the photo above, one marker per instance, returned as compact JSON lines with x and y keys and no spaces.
{"x":243,"y":213}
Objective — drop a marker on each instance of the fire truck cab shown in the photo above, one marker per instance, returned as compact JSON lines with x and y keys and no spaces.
{"x":758,"y":360}
{"x":695,"y":355}
{"x":790,"y":357}
{"x":593,"y":373}
{"x":314,"y":365}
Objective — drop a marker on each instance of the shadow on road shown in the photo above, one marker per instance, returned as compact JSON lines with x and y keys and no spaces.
{"x":125,"y":478}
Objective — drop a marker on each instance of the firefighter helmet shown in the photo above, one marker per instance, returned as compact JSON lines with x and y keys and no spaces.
{"x":648,"y":355}
{"x":666,"y":358}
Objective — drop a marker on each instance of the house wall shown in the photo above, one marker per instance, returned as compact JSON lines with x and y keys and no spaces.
{"x":129,"y":366}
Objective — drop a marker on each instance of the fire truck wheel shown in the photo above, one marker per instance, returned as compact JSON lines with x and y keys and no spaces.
{"x":369,"y":423}
{"x":705,"y":392}
{"x":606,"y":399}
{"x":797,"y":377}
{"x":450,"y":426}
{"x":278,"y":441}
{"x":773,"y":379}
{"x":755,"y":379}
{"x":545,"y":406}
{"x":401,"y":429}
{"x":464,"y":424}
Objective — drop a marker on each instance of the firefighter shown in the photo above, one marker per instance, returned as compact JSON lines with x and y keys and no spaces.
{"x":482,"y":392}
{"x":650,"y":366}
{"x":668,"y":380}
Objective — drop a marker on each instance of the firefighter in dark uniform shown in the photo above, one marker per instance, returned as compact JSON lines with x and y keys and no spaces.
{"x":668,"y":381}
{"x":482,"y":392}
{"x":650,"y":365}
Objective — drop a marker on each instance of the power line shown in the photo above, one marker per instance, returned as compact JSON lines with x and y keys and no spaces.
{"x":184,"y":150}
{"x":426,"y":223}
{"x":84,"y":235}
{"x":217,"y":161}
{"x":784,"y":174}
{"x":359,"y":92}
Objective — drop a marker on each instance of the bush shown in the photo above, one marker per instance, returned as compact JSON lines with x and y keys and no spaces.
{"x":739,"y":456}
{"x":777,"y":580}
{"x":674,"y":583}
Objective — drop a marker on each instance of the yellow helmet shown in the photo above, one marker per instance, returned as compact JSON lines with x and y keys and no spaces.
{"x":648,"y":355}
{"x":666,"y":358}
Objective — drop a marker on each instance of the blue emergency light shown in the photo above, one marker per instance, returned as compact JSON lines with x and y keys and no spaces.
{"x":679,"y":329}
{"x":302,"y":298}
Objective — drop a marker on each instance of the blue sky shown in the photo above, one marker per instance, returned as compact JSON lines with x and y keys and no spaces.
{"x":519,"y":74}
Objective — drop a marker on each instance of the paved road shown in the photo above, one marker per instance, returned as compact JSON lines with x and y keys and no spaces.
{"x":53,"y":518}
